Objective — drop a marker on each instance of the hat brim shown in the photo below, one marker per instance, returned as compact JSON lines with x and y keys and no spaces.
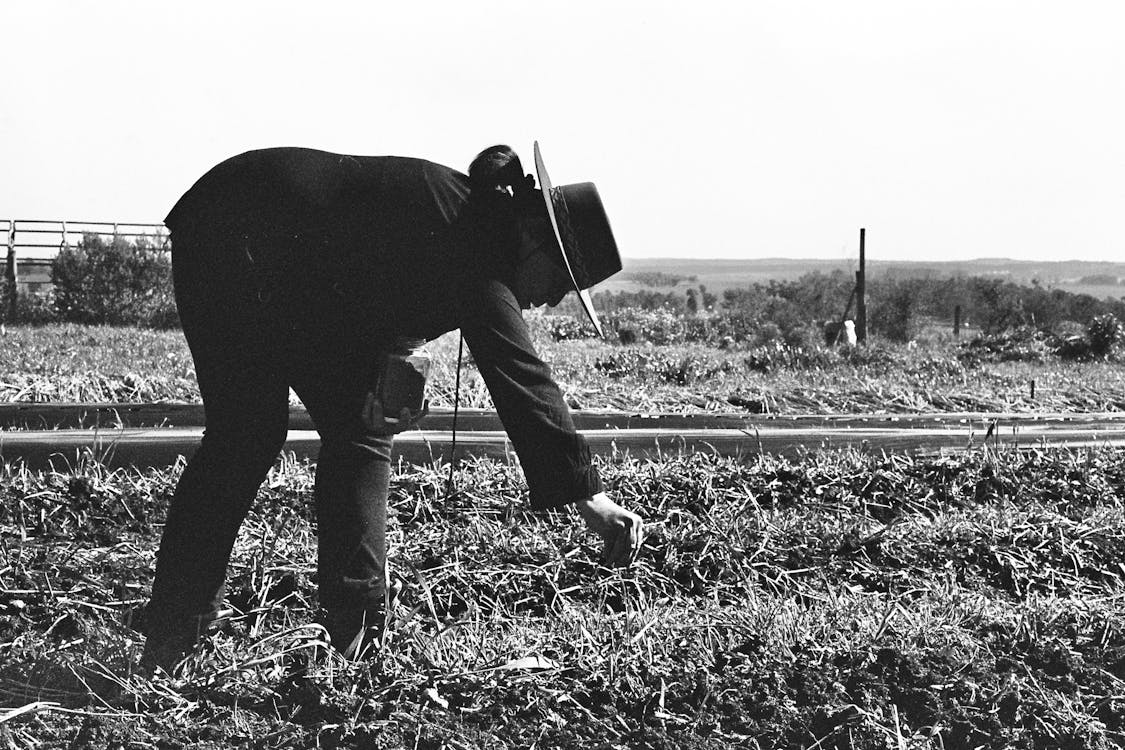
{"x":549,"y":201}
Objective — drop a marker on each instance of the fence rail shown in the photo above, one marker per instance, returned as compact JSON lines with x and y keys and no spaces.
{"x":30,"y":241}
{"x":24,"y":234}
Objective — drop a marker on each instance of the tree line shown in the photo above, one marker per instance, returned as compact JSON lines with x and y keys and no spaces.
{"x":896,"y":307}
{"x":123,"y":282}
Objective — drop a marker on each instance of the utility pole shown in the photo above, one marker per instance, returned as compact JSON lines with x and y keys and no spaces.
{"x":861,"y":292}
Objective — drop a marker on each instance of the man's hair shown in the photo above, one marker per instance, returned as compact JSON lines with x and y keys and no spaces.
{"x":497,"y":168}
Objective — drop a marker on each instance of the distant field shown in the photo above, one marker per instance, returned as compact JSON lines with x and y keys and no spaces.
{"x":720,"y":274}
{"x":1100,"y":290}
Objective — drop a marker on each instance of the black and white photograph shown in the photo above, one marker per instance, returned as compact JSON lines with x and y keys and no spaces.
{"x":451,"y":375}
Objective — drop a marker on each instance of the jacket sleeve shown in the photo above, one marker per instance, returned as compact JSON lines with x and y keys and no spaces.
{"x":554,"y":457}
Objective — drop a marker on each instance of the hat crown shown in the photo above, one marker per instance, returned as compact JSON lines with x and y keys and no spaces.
{"x":583,"y":234}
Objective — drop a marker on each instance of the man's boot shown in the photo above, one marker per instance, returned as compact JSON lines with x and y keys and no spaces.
{"x":169,"y":638}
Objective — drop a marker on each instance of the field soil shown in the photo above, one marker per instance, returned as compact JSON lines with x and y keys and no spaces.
{"x":842,"y":601}
{"x":833,"y":600}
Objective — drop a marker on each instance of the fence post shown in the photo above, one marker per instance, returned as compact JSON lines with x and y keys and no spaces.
{"x":957,"y":322}
{"x":861,"y":292}
{"x":12,"y":271}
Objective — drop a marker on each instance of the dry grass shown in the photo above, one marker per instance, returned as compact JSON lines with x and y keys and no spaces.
{"x":838,"y":601}
{"x":846,"y":600}
{"x":99,"y":364}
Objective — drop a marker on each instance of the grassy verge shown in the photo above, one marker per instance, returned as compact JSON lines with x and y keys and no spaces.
{"x":101,"y":364}
{"x":846,"y":600}
{"x":95,"y":364}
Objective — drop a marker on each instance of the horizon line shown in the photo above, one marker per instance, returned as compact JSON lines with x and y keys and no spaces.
{"x":982,"y":259}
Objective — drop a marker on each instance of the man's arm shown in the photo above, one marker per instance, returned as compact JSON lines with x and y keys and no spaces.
{"x":555,"y":458}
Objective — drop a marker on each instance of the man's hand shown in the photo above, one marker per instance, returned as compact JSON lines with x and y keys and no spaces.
{"x":374,"y":418}
{"x":620,"y":529}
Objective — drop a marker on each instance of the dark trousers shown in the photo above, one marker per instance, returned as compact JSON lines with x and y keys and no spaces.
{"x":254,"y":332}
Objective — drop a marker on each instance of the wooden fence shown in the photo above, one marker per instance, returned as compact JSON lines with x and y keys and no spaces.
{"x":32,"y":243}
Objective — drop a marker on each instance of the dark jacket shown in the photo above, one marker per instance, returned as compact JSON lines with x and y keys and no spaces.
{"x":419,"y":254}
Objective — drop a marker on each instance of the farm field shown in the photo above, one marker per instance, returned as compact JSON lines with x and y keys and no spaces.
{"x":70,"y":363}
{"x":835,"y":600}
{"x":846,"y":600}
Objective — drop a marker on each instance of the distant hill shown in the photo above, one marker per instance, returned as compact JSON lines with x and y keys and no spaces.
{"x":1100,"y":279}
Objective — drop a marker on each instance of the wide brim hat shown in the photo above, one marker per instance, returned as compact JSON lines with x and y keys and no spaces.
{"x":582,"y":231}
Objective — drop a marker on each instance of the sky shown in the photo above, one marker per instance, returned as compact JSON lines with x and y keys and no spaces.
{"x":951,"y":130}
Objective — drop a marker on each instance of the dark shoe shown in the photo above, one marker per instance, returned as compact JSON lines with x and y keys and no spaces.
{"x":353,"y":632}
{"x":169,"y":638}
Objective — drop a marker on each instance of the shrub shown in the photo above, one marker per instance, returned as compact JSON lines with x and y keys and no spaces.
{"x":116,"y":282}
{"x":1104,"y":333}
{"x":661,"y":326}
{"x":767,"y":333}
{"x":1024,"y":344}
{"x":892,"y":313}
{"x":34,"y":308}
{"x":1074,"y":347}
{"x":1100,"y":340}
{"x":566,"y":327}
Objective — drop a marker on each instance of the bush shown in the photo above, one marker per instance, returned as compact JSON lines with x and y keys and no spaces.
{"x":662,"y":326}
{"x":894,"y":309}
{"x":1100,"y":341}
{"x":30,"y":307}
{"x":767,"y":333}
{"x":1104,"y":334}
{"x":1024,"y":344}
{"x":116,"y":283}
{"x":566,"y":327}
